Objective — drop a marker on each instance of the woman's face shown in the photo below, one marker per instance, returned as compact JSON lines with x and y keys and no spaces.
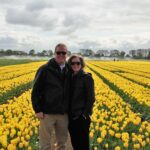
{"x":76,"y":64}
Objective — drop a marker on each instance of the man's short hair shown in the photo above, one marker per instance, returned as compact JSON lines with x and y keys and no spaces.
{"x":59,"y":45}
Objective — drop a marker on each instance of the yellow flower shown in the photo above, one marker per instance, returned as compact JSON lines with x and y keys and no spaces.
{"x":146,"y":133}
{"x":117,"y":148}
{"x":91,"y":135}
{"x":147,"y":140}
{"x":103,"y":133}
{"x":26,"y":143}
{"x":20,"y":145}
{"x":117,"y":135}
{"x":106,"y":145}
{"x":136,"y":146}
{"x":111,"y":132}
{"x":143,"y":143}
{"x":95,"y":148}
{"x":29,"y":148}
{"x":19,"y":133}
{"x":126,"y":145}
{"x":99,"y":140}
{"x":28,"y":137}
{"x":11,"y":147}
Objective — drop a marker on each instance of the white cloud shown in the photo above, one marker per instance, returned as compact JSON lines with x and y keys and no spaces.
{"x":81,"y":24}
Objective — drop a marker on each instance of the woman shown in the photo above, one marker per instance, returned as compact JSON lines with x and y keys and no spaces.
{"x":82,"y":99}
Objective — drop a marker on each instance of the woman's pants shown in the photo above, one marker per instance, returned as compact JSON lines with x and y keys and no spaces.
{"x":79,"y":133}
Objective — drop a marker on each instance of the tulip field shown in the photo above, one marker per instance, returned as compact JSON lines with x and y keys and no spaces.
{"x":121,"y":112}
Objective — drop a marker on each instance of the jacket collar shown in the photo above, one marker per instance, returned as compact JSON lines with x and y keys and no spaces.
{"x":80,"y":73}
{"x":53,"y":64}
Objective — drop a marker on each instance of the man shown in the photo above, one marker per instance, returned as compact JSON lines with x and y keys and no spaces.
{"x":50,"y":98}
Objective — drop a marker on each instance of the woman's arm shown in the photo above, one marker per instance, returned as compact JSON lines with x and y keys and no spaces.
{"x":90,"y":95}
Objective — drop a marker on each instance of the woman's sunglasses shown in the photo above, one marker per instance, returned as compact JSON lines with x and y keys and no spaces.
{"x":59,"y":53}
{"x":75,"y":63}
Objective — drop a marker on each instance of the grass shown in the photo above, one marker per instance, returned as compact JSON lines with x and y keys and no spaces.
{"x":7,"y":62}
{"x":15,"y":92}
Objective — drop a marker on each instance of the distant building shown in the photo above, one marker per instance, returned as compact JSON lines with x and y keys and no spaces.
{"x":83,"y":51}
{"x":102,"y":53}
{"x":86,"y":52}
{"x":132,"y":53}
{"x":114,"y":53}
{"x":143,"y":53}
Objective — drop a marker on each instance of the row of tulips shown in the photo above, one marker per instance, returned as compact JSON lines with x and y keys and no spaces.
{"x":139,"y":77}
{"x":139,"y":92}
{"x":18,"y":124}
{"x":137,"y":66}
{"x":125,"y":66}
{"x":14,"y":71}
{"x":15,"y":78}
{"x":114,"y":125}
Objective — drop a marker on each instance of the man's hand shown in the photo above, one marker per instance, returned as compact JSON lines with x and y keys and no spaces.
{"x":40,"y":115}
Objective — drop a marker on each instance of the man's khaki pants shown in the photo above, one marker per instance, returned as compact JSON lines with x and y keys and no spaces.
{"x":60,"y":125}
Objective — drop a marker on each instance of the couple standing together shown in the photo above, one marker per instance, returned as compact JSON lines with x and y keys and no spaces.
{"x":62,"y":98}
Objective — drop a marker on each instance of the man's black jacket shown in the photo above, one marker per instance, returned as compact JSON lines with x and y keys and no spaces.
{"x":50,"y":93}
{"x":82,"y":94}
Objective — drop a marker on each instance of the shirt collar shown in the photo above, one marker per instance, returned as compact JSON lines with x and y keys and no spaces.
{"x":62,"y":66}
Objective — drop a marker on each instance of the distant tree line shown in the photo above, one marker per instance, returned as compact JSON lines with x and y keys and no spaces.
{"x":32,"y":52}
{"x":103,"y":53}
{"x":137,"y":54}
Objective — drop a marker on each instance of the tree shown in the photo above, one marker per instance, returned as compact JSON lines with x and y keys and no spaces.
{"x":127,"y":55}
{"x":139,"y":55}
{"x":32,"y":52}
{"x":50,"y":53}
{"x":2,"y":52}
{"x":69,"y":53}
{"x":148,"y":55}
{"x":122,"y":53}
{"x":9,"y":52}
{"x":44,"y":53}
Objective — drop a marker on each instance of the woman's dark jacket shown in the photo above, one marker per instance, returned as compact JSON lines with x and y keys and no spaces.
{"x":50,"y":93}
{"x":82,"y":94}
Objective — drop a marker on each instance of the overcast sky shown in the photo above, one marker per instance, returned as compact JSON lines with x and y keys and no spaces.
{"x":95,"y":24}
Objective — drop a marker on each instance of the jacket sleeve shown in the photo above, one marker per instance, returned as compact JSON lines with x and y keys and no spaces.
{"x":36,"y":94}
{"x":90,"y":95}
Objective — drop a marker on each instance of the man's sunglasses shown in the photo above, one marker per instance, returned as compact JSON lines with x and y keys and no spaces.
{"x":59,"y":53}
{"x":75,"y":63}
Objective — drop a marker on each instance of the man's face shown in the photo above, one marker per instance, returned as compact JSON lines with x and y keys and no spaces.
{"x":61,"y":54}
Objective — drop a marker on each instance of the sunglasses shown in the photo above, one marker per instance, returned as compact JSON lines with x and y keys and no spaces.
{"x":75,"y":63}
{"x":61,"y":52}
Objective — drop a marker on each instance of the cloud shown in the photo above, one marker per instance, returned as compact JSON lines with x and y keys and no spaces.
{"x":89,"y":44}
{"x":23,"y":41}
{"x":98,"y":24}
{"x":8,"y":42}
{"x":76,"y":15}
{"x":74,"y":21}
{"x":42,"y":20}
{"x":37,"y":6}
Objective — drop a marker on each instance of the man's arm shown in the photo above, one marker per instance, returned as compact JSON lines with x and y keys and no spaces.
{"x":37,"y":90}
